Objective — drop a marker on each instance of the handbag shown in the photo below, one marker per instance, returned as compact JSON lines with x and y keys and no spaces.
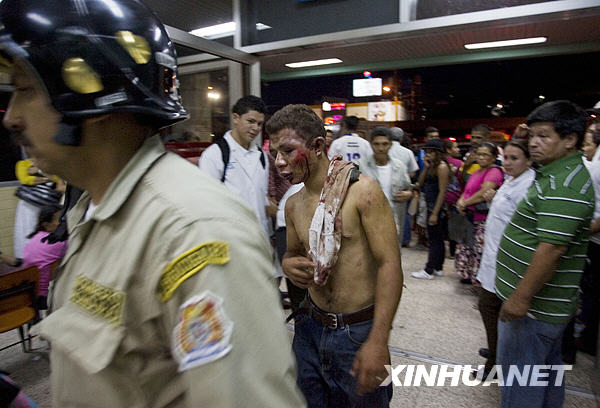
{"x":482,"y":207}
{"x":40,"y":195}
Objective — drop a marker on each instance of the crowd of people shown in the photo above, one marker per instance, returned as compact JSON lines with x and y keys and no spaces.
{"x":167,"y":294}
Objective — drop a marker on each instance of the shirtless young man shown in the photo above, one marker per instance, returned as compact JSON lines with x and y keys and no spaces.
{"x":340,"y":343}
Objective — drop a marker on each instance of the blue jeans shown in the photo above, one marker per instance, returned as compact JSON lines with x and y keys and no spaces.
{"x":324,"y":357}
{"x":528,"y":341}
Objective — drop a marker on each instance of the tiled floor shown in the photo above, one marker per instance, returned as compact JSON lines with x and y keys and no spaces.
{"x":435,"y":323}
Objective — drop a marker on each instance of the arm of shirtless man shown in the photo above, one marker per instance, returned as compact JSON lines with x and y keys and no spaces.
{"x":295,"y":264}
{"x":377,"y":219}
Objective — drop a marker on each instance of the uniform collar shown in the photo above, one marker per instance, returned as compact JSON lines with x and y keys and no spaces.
{"x":122,"y":187}
{"x":569,"y":161}
{"x":234,"y":145}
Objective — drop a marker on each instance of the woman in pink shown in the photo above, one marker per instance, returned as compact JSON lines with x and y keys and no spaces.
{"x":41,"y":254}
{"x":488,"y":177}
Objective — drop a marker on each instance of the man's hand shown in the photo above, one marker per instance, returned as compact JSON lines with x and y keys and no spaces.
{"x":513,"y":308}
{"x":433,"y":219}
{"x":402,"y":196}
{"x":369,"y":366}
{"x":300,"y":270}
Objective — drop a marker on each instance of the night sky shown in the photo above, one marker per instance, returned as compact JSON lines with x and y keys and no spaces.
{"x":467,"y":90}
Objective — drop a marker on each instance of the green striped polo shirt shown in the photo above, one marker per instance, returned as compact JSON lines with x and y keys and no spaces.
{"x":557,"y":209}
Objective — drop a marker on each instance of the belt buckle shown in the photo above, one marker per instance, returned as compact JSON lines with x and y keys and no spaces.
{"x":335,"y":320}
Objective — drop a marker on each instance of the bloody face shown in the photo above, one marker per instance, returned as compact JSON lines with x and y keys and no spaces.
{"x":293,"y":156}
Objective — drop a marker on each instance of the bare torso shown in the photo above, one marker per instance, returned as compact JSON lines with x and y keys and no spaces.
{"x":351,"y":284}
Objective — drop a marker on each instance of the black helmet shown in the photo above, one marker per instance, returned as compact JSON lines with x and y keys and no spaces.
{"x":95,"y":56}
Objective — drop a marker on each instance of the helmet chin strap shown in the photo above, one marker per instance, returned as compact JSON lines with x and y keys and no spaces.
{"x":69,"y":132}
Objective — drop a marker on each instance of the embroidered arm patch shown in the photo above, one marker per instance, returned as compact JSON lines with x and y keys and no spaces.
{"x":203,"y":331}
{"x":188,"y":264}
{"x":98,"y":300}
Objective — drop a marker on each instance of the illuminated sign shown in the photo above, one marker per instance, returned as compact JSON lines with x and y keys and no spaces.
{"x":382,"y":111}
{"x":366,"y":87}
{"x":334,"y":106}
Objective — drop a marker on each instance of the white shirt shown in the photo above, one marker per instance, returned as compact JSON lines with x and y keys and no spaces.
{"x":501,"y":211}
{"x":245,"y":175}
{"x":294,"y":188}
{"x":352,"y":147}
{"x":404,"y":155}
{"x":593,"y":167}
{"x":385,"y":180}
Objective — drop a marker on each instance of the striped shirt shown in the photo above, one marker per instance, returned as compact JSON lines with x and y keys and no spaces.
{"x":557,"y":209}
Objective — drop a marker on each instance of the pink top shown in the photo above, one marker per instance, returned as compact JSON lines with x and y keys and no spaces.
{"x":41,"y":254}
{"x":474,"y":183}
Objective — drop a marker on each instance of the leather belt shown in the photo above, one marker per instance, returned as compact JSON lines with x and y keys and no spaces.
{"x":340,"y":320}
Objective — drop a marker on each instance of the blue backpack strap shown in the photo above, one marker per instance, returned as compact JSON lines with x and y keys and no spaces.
{"x":262,"y":158}
{"x":224,"y":146}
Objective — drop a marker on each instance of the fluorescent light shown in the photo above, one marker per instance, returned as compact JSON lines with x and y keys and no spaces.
{"x":507,"y":43}
{"x":261,"y":26}
{"x":219,"y":29}
{"x":313,"y":63}
{"x":222,"y":30}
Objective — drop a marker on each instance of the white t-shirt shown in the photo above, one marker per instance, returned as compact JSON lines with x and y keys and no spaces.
{"x":294,"y":188}
{"x":245,"y":175}
{"x":352,"y":147}
{"x":406,"y":156}
{"x":503,"y":206}
{"x":594,"y":169}
{"x":385,"y":178}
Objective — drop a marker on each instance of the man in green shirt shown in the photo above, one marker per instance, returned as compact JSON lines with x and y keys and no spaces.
{"x":542,"y":255}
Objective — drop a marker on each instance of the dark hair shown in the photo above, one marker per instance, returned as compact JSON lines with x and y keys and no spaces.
{"x":566,"y":117}
{"x":380,"y":131}
{"x":351,"y":122}
{"x":300,"y":118}
{"x":405,"y":141}
{"x":448,"y":144}
{"x":248,"y":103}
{"x":481,"y":127}
{"x":46,"y":215}
{"x":520,"y":144}
{"x":595,"y":133}
{"x":491,"y":147}
{"x":431,"y":129}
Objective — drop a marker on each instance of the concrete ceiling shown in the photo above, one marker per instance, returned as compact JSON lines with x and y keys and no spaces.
{"x":571,"y":26}
{"x":189,"y":15}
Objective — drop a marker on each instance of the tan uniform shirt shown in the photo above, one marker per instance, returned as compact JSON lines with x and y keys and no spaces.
{"x":164,"y":298}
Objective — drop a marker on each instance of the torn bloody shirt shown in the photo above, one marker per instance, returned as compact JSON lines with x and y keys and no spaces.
{"x":325,"y":234}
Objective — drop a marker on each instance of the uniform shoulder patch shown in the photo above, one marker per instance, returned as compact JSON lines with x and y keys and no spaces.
{"x":189,"y":263}
{"x":98,"y":300}
{"x":203,"y":331}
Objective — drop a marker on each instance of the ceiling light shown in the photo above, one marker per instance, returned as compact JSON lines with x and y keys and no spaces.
{"x":313,"y":63}
{"x":213,"y":95}
{"x":222,"y":30}
{"x":506,"y":43}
